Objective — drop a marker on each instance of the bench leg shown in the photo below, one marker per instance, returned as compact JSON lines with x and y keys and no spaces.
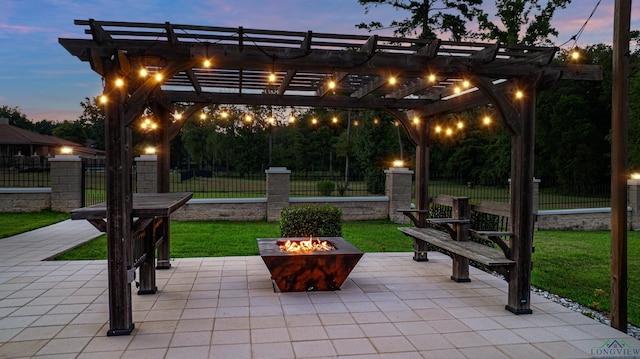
{"x":420,"y":251}
{"x":460,"y":269}
{"x":147,"y":270}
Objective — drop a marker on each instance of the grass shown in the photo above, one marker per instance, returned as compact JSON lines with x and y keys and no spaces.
{"x":225,"y":238}
{"x":576,"y":265}
{"x":16,"y":223}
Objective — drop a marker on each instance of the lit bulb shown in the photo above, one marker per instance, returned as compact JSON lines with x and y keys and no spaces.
{"x":376,"y":121}
{"x":292,"y":119}
{"x":150,"y":150}
{"x":460,"y":125}
{"x":203,"y":116}
{"x":332,"y":85}
{"x":396,"y":123}
{"x":314,"y":121}
{"x":248,"y":118}
{"x":392,"y":80}
{"x":206,"y":63}
{"x":449,"y":132}
{"x":272,"y":77}
{"x":154,"y":126}
{"x":334,"y":119}
{"x":224,"y":114}
{"x":119,"y":82}
{"x":355,"y":123}
{"x":103,"y":99}
{"x":158,"y":76}
{"x":143,"y":72}
{"x":271,"y":120}
{"x":438,"y":129}
{"x":456,"y":89}
{"x":486,"y":120}
{"x":519,"y":94}
{"x":432,"y":78}
{"x":466,"y":84}
{"x":416,"y":120}
{"x":177,"y":116}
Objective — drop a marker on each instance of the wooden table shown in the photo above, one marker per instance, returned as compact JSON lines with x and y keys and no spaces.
{"x":149,"y":231}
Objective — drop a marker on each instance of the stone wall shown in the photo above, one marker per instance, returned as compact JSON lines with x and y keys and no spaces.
{"x":25,"y":199}
{"x":586,"y":219}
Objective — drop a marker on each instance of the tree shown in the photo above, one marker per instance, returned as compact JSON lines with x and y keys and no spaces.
{"x":93,"y":120}
{"x":523,"y":22}
{"x":428,"y":17}
{"x":16,"y":117}
{"x":71,"y":131}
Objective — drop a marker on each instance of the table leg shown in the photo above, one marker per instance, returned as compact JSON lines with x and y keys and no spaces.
{"x":147,"y":270}
{"x":163,"y":248}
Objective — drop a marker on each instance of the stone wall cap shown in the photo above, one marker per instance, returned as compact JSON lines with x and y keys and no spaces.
{"x":225,"y":200}
{"x":65,"y":158}
{"x":578,"y":211}
{"x":339,"y":199}
{"x":277,"y":170}
{"x":26,"y":190}
{"x":398,"y":170}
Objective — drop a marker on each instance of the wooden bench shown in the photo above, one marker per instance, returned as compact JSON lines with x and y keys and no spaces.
{"x":452,"y":237}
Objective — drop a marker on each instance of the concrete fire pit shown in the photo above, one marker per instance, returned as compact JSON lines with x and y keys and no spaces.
{"x":308,"y":271}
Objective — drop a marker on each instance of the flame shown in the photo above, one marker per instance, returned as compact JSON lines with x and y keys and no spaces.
{"x":306,"y":246}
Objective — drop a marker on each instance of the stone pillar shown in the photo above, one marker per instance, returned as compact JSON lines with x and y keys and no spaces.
{"x":66,"y":182}
{"x":278,"y":191}
{"x":146,"y":174}
{"x":398,"y":187}
{"x":633,"y":186}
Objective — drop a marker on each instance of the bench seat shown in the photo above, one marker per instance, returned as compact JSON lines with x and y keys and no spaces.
{"x":480,"y":253}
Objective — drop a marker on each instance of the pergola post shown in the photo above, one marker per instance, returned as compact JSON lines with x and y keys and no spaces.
{"x":163,"y":153}
{"x":119,"y":209}
{"x":522,"y":157}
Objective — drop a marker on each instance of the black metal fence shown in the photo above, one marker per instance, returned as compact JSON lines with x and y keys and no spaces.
{"x":94,"y":181}
{"x":33,"y":171}
{"x":24,"y":171}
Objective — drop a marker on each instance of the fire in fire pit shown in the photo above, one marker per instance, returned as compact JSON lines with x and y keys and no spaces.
{"x":308,"y":270}
{"x":308,"y":246}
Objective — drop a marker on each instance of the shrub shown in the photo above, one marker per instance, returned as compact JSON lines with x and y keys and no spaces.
{"x":305,"y":221}
{"x":325,"y":187}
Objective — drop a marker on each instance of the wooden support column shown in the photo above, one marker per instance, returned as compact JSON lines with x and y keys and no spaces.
{"x":460,"y":209}
{"x":119,"y":209}
{"x":420,"y":248}
{"x":619,"y":134}
{"x":163,"y":155}
{"x":522,"y":157}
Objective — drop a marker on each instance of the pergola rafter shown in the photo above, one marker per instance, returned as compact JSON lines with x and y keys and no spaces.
{"x":311,"y":70}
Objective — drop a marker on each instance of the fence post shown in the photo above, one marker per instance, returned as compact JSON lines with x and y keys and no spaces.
{"x":278,"y":191}
{"x":634,"y":202}
{"x":398,"y":187}
{"x":66,"y":182}
{"x":146,"y":174}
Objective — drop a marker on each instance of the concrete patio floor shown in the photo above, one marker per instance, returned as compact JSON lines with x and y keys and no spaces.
{"x":389,"y":307}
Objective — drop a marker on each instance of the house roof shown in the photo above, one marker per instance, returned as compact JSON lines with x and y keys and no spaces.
{"x":11,"y":135}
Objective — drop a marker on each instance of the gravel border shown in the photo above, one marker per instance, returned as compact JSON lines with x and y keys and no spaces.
{"x":588,"y":312}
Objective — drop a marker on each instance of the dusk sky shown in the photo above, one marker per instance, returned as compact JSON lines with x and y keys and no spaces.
{"x":44,"y":81}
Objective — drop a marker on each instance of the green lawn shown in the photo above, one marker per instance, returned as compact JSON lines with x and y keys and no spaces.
{"x":16,"y":223}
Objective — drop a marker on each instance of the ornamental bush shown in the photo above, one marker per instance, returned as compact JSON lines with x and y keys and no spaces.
{"x":325,"y":188}
{"x":305,"y":221}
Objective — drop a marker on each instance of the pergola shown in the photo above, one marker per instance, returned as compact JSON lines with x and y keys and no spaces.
{"x":195,"y":66}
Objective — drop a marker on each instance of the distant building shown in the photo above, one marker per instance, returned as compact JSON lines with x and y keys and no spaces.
{"x":15,"y":141}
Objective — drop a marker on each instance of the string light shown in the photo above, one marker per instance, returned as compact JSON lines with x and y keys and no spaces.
{"x":271,"y":120}
{"x":575,"y":54}
{"x":143,"y":72}
{"x":158,"y":76}
{"x":224,"y":114}
{"x":119,"y":82}
{"x":519,"y":94}
{"x":332,"y":85}
{"x":177,"y":116}
{"x":292,"y":119}
{"x":432,"y":78}
{"x":376,"y":121}
{"x":392,"y":80}
{"x":206,"y":63}
{"x":314,"y":121}
{"x":449,"y":132}
{"x":272,"y":77}
{"x":334,"y":119}
{"x":416,"y":120}
{"x":248,"y":118}
{"x":203,"y":116}
{"x":438,"y":129}
{"x":486,"y":120}
{"x":460,"y":125}
{"x":466,"y":84}
{"x":103,"y":99}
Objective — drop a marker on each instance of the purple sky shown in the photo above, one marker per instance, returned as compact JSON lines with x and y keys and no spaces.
{"x":44,"y":81}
